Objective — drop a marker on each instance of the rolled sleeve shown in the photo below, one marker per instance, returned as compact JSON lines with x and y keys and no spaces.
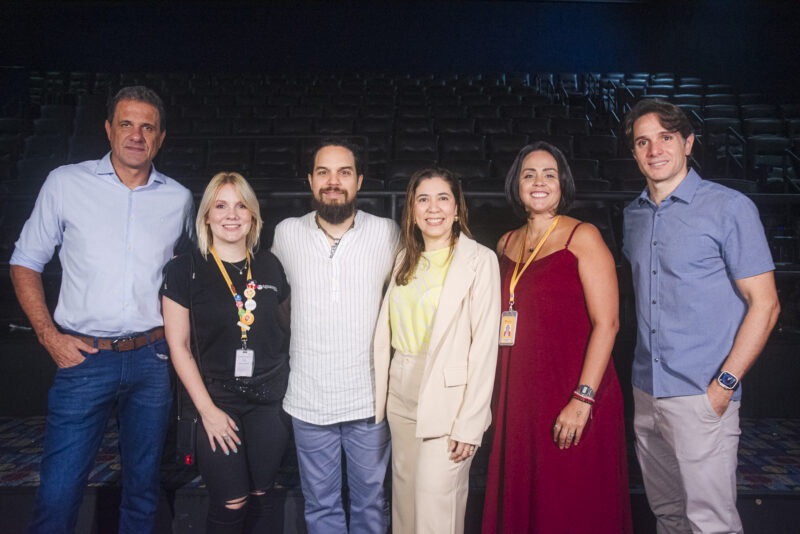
{"x":43,"y":231}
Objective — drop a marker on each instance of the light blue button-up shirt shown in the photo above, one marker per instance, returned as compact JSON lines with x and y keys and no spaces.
{"x":685,"y":256}
{"x":114,"y":243}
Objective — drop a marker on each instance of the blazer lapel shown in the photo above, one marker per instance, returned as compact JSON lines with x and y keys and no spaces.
{"x":456,"y":285}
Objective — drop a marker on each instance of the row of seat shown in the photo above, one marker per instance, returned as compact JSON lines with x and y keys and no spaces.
{"x":288,"y":156}
{"x":404,"y":126}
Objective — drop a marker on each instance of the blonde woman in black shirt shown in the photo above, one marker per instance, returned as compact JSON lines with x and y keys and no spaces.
{"x":229,"y":300}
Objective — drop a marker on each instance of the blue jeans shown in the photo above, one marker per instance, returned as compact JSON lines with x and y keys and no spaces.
{"x":79,"y":405}
{"x":319,"y":457}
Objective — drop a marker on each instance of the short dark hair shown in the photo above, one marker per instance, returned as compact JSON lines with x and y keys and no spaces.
{"x":671,"y":117}
{"x":565,"y":180}
{"x":343,"y":142}
{"x":139,"y":93}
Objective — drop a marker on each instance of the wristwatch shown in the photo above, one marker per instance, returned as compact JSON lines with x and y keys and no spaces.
{"x":727,"y":380}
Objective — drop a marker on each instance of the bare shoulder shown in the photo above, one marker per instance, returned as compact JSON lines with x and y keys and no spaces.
{"x":507,"y":242}
{"x":586,"y":239}
{"x":501,"y":243}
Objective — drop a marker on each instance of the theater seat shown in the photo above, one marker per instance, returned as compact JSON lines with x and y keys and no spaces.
{"x":462,"y":146}
{"x":398,"y":172}
{"x":468,"y":170}
{"x":416,"y":146}
{"x":493,"y":126}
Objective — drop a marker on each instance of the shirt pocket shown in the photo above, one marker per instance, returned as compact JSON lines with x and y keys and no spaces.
{"x":455,"y":376}
{"x":690,"y":256}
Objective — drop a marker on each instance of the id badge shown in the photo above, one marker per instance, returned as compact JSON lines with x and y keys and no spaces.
{"x":508,"y":328}
{"x":245,"y":362}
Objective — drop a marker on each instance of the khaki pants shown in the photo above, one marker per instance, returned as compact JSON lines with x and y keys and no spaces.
{"x":429,"y":491}
{"x":688,"y":456}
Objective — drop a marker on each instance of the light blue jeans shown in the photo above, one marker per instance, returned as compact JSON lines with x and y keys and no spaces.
{"x":79,"y":405}
{"x":319,"y":457}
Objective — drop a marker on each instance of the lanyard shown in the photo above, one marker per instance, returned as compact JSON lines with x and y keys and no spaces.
{"x":515,"y":277}
{"x":245,"y":309}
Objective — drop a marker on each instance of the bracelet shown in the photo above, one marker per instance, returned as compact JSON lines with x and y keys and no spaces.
{"x":586,"y":391}
{"x":587,"y":400}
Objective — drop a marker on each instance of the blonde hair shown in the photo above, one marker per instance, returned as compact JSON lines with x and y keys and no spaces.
{"x":248,"y":196}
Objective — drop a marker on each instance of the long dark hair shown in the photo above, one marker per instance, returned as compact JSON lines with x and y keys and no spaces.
{"x":411,"y":235}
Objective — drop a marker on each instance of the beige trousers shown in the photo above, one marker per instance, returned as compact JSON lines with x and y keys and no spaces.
{"x":429,"y":491}
{"x":688,"y":456}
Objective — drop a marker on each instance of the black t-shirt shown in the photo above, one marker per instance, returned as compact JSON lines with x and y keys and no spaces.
{"x":215,"y":314}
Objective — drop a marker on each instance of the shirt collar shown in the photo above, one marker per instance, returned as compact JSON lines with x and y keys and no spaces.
{"x":311,"y":220}
{"x":106,"y":168}
{"x":685,"y":190}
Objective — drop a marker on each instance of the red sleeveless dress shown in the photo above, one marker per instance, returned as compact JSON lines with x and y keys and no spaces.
{"x":532,"y":485}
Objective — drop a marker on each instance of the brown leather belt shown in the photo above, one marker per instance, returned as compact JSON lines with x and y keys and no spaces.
{"x":122,"y":344}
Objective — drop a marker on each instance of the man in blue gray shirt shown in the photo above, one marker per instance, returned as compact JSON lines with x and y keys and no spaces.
{"x":117,"y":221}
{"x":705,"y":305}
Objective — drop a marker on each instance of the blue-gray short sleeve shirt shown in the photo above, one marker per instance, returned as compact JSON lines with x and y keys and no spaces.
{"x":686,"y":255}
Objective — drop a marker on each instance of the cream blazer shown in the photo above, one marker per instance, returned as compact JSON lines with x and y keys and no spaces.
{"x":456,"y":389}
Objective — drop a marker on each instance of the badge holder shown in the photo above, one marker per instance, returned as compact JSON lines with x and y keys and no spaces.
{"x":508,"y":328}
{"x":245,"y":363}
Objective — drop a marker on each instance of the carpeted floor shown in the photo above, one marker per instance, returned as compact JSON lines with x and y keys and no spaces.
{"x":769,"y":458}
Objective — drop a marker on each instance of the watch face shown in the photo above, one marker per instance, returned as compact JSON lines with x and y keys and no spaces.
{"x":728,"y":380}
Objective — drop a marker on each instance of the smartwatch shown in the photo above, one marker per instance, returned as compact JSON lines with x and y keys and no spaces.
{"x":727,"y":380}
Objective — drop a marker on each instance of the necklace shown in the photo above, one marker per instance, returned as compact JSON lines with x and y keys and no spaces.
{"x":335,"y":240}
{"x":538,"y":241}
{"x":237,"y":267}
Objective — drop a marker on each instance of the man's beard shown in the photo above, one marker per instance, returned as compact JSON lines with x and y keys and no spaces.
{"x":333,"y":213}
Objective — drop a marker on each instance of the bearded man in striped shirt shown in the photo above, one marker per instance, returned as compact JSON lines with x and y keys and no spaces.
{"x":337,"y":261}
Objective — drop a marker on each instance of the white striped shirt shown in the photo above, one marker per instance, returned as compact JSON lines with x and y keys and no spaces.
{"x":335,"y":303}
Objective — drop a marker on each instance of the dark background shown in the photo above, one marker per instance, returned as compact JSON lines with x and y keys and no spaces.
{"x":753,"y":45}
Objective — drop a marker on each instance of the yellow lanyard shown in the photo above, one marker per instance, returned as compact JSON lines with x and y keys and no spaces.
{"x":246,"y":316}
{"x":515,"y":277}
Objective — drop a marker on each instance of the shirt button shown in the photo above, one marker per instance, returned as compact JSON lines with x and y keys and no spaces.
{"x":656,"y":360}
{"x":653,"y":331}
{"x":654,"y":272}
{"x":655,"y":243}
{"x":654,"y":301}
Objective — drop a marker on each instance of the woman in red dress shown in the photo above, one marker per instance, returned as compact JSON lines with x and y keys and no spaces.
{"x":558,"y":461}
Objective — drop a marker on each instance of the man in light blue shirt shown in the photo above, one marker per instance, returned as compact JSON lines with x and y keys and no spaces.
{"x":705,"y":305}
{"x":117,"y":221}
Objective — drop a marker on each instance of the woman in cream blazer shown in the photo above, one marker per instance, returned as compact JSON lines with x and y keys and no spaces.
{"x":435,"y":353}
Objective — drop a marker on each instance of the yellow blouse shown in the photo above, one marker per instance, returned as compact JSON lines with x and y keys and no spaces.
{"x":412,"y":307}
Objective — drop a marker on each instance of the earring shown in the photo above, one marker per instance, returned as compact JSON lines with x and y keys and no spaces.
{"x":455,"y":219}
